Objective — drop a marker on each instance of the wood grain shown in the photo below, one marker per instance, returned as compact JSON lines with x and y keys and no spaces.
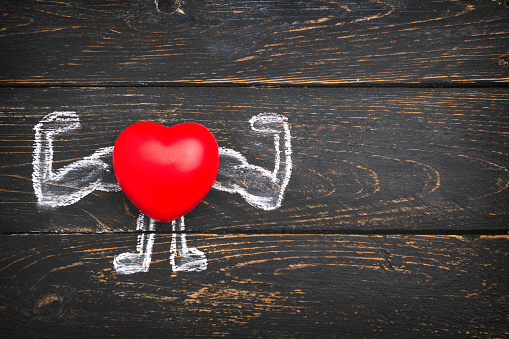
{"x":394,"y":221}
{"x":258,"y":286}
{"x":363,"y":159}
{"x":244,"y":42}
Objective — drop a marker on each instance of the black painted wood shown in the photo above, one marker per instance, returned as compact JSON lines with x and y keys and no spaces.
{"x":259,"y":285}
{"x":281,"y":42}
{"x":410,"y":158}
{"x":363,"y":159}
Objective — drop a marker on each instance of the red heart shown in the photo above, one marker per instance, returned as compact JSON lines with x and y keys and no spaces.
{"x":166,"y":171}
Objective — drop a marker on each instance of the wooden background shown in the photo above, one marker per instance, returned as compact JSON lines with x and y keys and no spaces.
{"x":394,"y":222}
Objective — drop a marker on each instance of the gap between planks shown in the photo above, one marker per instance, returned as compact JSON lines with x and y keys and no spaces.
{"x":471,"y":232}
{"x":500,"y":84}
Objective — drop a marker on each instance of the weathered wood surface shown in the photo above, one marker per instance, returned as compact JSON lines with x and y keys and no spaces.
{"x":278,"y":42}
{"x":363,"y":159}
{"x":258,"y":286}
{"x":407,"y":159}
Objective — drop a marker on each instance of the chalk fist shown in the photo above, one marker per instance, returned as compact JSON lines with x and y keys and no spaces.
{"x":268,"y":123}
{"x":58,"y":122}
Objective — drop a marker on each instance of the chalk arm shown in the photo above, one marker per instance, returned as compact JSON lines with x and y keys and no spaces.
{"x":260,"y":187}
{"x":70,"y":183}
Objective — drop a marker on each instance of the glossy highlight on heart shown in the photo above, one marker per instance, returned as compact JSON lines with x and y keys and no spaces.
{"x":166,"y":171}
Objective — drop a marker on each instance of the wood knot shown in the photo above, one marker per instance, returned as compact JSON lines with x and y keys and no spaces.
{"x":503,"y":61}
{"x":167,"y":6}
{"x":48,"y":307}
{"x":386,"y":264}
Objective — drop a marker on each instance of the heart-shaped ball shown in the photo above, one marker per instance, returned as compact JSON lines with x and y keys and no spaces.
{"x":166,"y":171}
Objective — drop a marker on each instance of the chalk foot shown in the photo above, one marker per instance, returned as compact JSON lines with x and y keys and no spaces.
{"x":268,"y":123}
{"x":129,"y":263}
{"x":193,"y":260}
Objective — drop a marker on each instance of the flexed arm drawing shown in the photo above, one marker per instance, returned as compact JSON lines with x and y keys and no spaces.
{"x":258,"y":186}
{"x":71,"y":183}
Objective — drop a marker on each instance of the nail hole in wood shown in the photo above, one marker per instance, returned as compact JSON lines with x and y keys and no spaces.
{"x":167,"y":6}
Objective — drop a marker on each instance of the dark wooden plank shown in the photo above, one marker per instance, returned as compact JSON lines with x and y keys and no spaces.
{"x":319,"y":42}
{"x":363,"y":159}
{"x":260,"y":286}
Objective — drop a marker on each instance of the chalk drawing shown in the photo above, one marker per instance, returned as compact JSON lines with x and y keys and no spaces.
{"x":182,"y":257}
{"x":71,"y":183}
{"x":258,"y":186}
{"x":129,"y":263}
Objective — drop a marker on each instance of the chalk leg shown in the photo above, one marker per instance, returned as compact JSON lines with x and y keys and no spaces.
{"x":183,"y":258}
{"x":129,"y":263}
